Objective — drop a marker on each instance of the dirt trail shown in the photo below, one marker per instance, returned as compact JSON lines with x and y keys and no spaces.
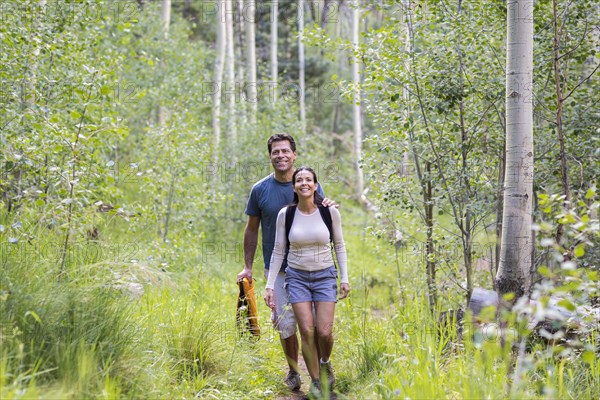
{"x":305,"y":383}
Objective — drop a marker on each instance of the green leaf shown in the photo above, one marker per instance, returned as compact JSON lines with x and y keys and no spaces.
{"x":34,"y":315}
{"x":39,"y":202}
{"x":508,"y":296}
{"x":579,"y":251}
{"x":75,"y":115}
{"x":566,"y":304}
{"x":544,"y":271}
{"x":588,"y":357}
{"x":590,"y":193}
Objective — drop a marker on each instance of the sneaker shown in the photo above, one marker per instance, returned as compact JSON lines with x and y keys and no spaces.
{"x":315,"y":389}
{"x":327,"y":372}
{"x":293,"y":381}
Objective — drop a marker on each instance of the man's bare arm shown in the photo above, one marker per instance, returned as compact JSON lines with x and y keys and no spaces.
{"x":250,"y":243}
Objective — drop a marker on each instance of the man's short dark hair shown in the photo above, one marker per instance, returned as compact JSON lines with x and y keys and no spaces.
{"x":279,"y":137}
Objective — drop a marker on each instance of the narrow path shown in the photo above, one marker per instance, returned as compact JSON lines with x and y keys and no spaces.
{"x":305,"y":383}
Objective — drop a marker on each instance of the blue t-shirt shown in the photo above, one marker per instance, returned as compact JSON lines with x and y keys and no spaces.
{"x":267,"y":197}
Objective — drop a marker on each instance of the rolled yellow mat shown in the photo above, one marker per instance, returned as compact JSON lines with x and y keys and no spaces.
{"x":246,"y":311}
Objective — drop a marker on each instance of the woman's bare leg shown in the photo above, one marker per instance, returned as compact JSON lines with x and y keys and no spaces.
{"x":325,"y":311}
{"x":306,"y":326}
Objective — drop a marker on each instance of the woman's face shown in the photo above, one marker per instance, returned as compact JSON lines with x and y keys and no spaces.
{"x":304,"y":184}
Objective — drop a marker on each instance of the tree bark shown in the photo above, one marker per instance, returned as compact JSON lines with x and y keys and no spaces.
{"x":239,"y":51}
{"x":217,"y":82}
{"x":249,"y":18}
{"x":515,"y":252}
{"x":559,"y":124}
{"x":356,"y":117}
{"x":500,"y":204}
{"x":230,"y":76}
{"x":301,"y":82}
{"x":430,"y":251}
{"x":274,"y":39}
{"x":165,"y":17}
{"x":165,"y":22}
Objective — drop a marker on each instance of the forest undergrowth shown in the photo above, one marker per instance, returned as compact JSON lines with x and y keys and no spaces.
{"x":133,"y":328}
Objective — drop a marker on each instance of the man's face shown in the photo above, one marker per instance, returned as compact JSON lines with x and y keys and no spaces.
{"x":282,"y":156}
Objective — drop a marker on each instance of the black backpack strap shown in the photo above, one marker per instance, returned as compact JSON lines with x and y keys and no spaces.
{"x":290,"y":213}
{"x":326,"y":216}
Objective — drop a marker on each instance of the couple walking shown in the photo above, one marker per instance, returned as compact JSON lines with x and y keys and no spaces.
{"x":298,"y":227}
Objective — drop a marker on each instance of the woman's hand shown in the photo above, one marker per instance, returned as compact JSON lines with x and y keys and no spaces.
{"x":270,"y":298}
{"x":344,"y":290}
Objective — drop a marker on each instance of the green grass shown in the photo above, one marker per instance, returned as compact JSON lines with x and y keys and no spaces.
{"x":90,"y":335}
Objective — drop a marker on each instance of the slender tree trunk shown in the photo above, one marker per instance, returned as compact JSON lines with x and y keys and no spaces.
{"x":325,"y":13}
{"x":356,"y":120}
{"x":301,"y":93}
{"x":559,"y":124}
{"x":165,"y":17}
{"x":32,"y":69}
{"x":408,"y":40}
{"x":515,"y":252}
{"x":165,"y":22}
{"x":467,"y":195}
{"x":249,"y":17}
{"x":75,"y":153}
{"x":499,"y":205}
{"x":218,"y":81}
{"x":337,"y":112}
{"x":230,"y":75}
{"x":241,"y":72}
{"x":424,"y":177}
{"x":430,"y":262}
{"x":274,"y":39}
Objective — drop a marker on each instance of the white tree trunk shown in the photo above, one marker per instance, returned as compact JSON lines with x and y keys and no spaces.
{"x":356,"y":115}
{"x":274,"y":38}
{"x":240,"y":29}
{"x":406,"y":7}
{"x":249,"y":17}
{"x":230,"y":74}
{"x":514,"y":271}
{"x":165,"y":17}
{"x":218,"y":81}
{"x":301,"y":82}
{"x":165,"y":22}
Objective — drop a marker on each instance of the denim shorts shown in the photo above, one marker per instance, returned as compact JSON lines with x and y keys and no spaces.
{"x":303,"y":286}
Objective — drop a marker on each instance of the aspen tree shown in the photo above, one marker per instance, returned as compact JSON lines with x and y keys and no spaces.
{"x":514,"y":270}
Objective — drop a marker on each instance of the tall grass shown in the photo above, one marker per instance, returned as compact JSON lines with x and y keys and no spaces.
{"x":88,"y":336}
{"x":56,"y":331}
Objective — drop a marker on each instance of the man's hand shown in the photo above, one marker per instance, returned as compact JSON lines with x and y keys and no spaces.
{"x":330,"y":203}
{"x":270,"y":298}
{"x":246,"y":273}
{"x":344,"y":290}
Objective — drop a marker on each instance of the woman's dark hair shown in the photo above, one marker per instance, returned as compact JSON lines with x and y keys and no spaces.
{"x":318,"y":197}
{"x":279,"y":137}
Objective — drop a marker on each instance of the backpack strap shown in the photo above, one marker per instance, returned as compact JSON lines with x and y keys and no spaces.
{"x":290,"y":213}
{"x":326,"y":216}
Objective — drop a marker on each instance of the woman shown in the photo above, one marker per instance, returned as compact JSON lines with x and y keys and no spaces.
{"x":311,"y":274}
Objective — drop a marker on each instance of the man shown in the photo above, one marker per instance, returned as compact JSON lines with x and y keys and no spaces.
{"x":267,"y":197}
